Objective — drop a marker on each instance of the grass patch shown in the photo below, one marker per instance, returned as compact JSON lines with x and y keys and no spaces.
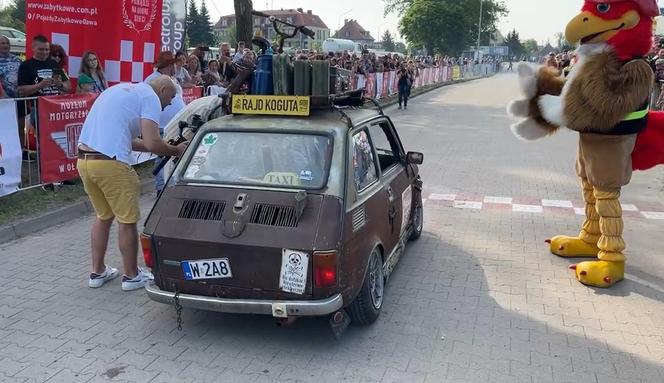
{"x":35,"y":201}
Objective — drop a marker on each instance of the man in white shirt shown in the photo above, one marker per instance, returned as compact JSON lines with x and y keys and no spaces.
{"x":120,"y":115}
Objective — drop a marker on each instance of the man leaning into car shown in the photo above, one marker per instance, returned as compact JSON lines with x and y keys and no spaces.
{"x":110,"y":132}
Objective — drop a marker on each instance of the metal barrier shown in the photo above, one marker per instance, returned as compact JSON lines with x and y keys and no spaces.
{"x":29,"y":140}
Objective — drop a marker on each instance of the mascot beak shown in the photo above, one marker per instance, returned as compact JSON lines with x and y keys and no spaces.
{"x":589,"y":28}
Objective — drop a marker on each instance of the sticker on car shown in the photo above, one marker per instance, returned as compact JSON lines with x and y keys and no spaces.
{"x":294,"y":269}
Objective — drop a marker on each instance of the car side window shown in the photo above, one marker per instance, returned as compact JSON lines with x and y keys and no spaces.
{"x":364,"y":164}
{"x":6,"y":33}
{"x":387,"y":146}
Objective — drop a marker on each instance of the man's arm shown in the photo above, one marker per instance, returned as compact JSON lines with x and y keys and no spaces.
{"x":153,"y":143}
{"x":29,"y":90}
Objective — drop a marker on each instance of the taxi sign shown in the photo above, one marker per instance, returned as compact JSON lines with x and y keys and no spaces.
{"x":273,"y":105}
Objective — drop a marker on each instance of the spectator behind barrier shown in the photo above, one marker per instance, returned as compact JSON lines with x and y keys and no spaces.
{"x":181,"y":73}
{"x":91,"y":77}
{"x":59,"y":55}
{"x":194,"y":69}
{"x":9,"y":64}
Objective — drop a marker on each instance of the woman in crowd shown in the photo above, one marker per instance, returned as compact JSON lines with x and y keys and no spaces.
{"x":212,"y":78}
{"x":194,"y":69}
{"x":59,"y":55}
{"x":181,"y":73}
{"x":91,"y":77}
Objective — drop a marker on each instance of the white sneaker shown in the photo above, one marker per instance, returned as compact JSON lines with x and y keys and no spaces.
{"x":98,"y":280}
{"x":139,"y":281}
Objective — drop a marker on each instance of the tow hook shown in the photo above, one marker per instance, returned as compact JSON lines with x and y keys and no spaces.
{"x":339,"y":321}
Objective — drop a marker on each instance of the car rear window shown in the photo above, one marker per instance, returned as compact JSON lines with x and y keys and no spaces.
{"x":255,"y":158}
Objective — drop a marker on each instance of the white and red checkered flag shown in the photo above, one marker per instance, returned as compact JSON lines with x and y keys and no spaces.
{"x":125,"y":34}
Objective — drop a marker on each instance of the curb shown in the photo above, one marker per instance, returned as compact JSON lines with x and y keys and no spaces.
{"x":56,"y":217}
{"x":82,"y":208}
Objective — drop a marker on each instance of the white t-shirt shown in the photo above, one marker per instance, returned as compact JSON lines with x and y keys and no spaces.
{"x":115,"y":119}
{"x":177,"y":104}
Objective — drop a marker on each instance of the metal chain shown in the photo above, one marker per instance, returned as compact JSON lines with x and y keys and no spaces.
{"x":178,"y":309}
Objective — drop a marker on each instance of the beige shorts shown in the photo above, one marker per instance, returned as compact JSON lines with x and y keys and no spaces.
{"x":113,"y":188}
{"x":605,"y":160}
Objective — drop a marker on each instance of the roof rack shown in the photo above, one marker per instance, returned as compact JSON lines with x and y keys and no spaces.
{"x":357,"y":104}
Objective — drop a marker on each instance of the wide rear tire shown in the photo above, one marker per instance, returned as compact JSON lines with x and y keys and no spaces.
{"x":366,"y":307}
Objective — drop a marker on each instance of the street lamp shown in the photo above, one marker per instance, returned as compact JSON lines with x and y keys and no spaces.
{"x":479,"y":31}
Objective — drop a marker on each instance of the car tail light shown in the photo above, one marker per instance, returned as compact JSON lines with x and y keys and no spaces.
{"x":148,"y":255}
{"x":325,"y":269}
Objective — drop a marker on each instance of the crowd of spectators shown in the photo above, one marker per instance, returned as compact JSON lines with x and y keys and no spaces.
{"x":561,"y":61}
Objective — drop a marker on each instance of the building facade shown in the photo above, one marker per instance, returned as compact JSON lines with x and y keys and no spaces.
{"x":225,"y":27}
{"x":353,"y":31}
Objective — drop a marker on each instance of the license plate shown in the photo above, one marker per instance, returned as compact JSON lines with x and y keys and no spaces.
{"x":207,"y":269}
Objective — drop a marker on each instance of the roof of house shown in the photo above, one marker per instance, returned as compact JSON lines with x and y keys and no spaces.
{"x":355,"y":31}
{"x":299,"y":17}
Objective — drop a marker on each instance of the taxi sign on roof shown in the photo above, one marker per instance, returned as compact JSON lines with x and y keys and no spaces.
{"x":273,"y":105}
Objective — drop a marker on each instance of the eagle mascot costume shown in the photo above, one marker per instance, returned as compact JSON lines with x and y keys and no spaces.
{"x":605,"y":99}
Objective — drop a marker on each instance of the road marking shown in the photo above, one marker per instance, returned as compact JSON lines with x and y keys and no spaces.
{"x":629,"y":207}
{"x":659,"y":215}
{"x":498,"y":200}
{"x":493,"y":202}
{"x":527,"y":208}
{"x":557,"y":203}
{"x":442,"y":197}
{"x":468,"y":205}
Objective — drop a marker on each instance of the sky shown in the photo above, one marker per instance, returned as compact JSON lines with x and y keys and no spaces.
{"x":538,"y":19}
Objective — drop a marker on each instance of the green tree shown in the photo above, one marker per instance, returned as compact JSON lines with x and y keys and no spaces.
{"x":514,"y":44}
{"x":205,"y":26}
{"x":243,"y":21}
{"x":13,"y":15}
{"x":398,"y":6}
{"x":400,"y":47}
{"x":449,"y":26}
{"x":563,"y":44}
{"x":388,"y":42}
{"x":193,"y":32}
{"x":530,"y":47}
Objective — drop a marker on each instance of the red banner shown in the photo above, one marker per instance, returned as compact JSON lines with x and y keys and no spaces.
{"x":60,"y":123}
{"x":125,"y":34}
{"x":190,"y":94}
{"x":370,"y":85}
{"x":386,"y":85}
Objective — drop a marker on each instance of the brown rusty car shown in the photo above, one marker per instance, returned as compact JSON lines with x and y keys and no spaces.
{"x":286,"y":216}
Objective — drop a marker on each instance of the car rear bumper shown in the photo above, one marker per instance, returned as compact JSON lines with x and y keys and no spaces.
{"x":280,"y":309}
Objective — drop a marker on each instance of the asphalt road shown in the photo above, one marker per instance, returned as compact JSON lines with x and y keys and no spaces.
{"x":477,"y":299}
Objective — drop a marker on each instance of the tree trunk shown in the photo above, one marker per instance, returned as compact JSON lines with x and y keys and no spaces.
{"x":244,"y":21}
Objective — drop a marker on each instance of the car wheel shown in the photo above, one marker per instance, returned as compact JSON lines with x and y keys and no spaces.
{"x":366,"y":307}
{"x":418,"y":220}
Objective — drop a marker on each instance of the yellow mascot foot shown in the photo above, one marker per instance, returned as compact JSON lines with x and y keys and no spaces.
{"x":599,"y":273}
{"x":572,"y":247}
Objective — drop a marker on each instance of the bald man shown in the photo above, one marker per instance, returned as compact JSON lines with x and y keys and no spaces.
{"x":119,"y":116}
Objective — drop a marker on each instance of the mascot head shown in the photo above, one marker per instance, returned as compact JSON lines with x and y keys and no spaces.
{"x":625,"y":25}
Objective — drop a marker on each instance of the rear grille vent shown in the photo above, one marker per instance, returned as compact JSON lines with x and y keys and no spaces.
{"x":359,"y":218}
{"x":203,"y":210}
{"x":274,"y":215}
